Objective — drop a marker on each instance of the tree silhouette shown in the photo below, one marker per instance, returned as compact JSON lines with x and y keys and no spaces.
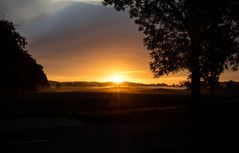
{"x":19,"y":71}
{"x":220,"y":46}
{"x":200,"y":36}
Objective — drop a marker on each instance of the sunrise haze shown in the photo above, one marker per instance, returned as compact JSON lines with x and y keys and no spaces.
{"x":80,"y":40}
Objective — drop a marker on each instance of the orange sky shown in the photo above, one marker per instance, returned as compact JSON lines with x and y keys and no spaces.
{"x":81,"y":41}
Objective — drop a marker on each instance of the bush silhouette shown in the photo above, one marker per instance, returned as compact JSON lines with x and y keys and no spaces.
{"x":19,"y":71}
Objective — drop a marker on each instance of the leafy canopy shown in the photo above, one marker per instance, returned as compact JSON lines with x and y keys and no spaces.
{"x":19,"y":71}
{"x":179,"y":31}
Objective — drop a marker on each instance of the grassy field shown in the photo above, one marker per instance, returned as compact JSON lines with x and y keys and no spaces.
{"x":134,"y":111}
{"x":84,"y":103}
{"x":78,"y":102}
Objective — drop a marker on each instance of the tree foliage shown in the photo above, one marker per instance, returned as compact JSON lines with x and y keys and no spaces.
{"x":19,"y":71}
{"x":201,"y":36}
{"x":220,"y":39}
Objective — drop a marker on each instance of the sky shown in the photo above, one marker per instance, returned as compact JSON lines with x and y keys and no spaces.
{"x":81,"y":40}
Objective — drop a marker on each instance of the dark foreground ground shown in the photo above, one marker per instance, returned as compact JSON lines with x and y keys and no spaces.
{"x":117,"y":121}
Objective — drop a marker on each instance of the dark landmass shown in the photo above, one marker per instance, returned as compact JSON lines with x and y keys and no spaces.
{"x":143,"y":121}
{"x":226,"y":84}
{"x":102,"y":84}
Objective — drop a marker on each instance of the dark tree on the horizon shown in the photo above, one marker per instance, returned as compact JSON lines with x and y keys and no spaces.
{"x":200,"y":36}
{"x":19,"y":71}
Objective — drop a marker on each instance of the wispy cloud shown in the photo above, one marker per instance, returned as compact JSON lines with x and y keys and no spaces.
{"x":80,"y":40}
{"x":86,"y":1}
{"x":25,"y":10}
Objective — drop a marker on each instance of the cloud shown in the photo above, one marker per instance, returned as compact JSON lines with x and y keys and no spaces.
{"x":83,"y":39}
{"x":23,"y":10}
{"x":86,"y":1}
{"x":79,"y":38}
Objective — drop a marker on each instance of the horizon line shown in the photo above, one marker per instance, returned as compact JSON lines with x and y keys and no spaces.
{"x":106,"y":82}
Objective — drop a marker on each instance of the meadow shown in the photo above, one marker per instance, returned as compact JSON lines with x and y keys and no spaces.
{"x":145,"y":112}
{"x":77,"y":102}
{"x":89,"y":104}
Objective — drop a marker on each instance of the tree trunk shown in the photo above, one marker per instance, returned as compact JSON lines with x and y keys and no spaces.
{"x":195,"y":91}
{"x":195,"y":88}
{"x":196,"y":95}
{"x":211,"y":88}
{"x":211,"y":108}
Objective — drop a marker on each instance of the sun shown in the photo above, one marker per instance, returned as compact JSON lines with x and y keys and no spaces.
{"x":117,"y":79}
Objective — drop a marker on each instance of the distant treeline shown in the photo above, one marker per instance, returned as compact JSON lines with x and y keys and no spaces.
{"x":227,"y":84}
{"x":102,"y":84}
{"x":56,"y":84}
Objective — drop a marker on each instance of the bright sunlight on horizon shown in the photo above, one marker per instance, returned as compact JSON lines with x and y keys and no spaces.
{"x":118,"y":79}
{"x":82,"y":40}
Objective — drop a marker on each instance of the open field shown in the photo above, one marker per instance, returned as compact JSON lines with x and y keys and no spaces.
{"x":65,"y":102}
{"x":137,"y":120}
{"x":85,"y":101}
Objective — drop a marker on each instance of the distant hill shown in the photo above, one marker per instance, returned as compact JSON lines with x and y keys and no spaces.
{"x":102,"y":84}
{"x":227,"y":84}
{"x":230,"y":84}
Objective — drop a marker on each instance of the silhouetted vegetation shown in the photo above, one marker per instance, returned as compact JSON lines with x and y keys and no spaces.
{"x":103,"y":84}
{"x":19,"y":71}
{"x":199,"y":36}
{"x":232,"y":85}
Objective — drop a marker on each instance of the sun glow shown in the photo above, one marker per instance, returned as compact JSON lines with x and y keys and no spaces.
{"x":117,"y":79}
